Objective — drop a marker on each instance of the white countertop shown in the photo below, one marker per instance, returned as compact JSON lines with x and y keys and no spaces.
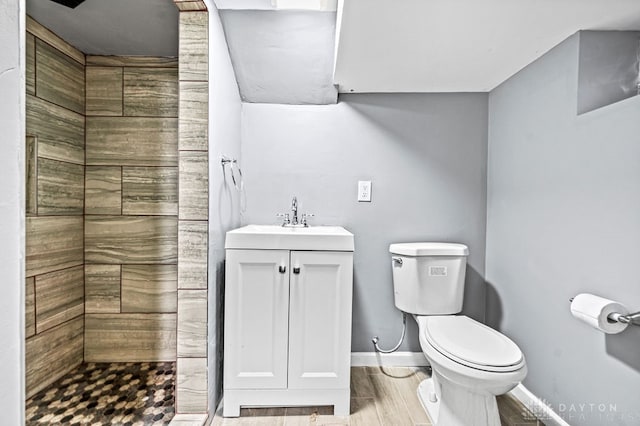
{"x":275,"y":237}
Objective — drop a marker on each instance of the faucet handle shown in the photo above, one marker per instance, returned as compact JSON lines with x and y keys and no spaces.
{"x":305,"y":216}
{"x":285,"y":218}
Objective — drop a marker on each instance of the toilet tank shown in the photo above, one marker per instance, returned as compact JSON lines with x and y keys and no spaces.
{"x":428,"y":278}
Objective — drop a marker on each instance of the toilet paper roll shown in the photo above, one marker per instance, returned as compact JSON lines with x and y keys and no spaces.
{"x":595,"y":310}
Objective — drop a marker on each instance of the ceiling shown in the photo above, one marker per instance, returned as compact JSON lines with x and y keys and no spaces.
{"x":459,"y":45}
{"x":382,"y":45}
{"x":113,"y":27}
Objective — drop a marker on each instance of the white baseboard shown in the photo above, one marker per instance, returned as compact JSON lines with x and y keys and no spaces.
{"x":396,"y":359}
{"x":538,"y":407}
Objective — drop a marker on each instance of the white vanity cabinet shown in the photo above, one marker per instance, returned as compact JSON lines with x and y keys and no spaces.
{"x":287,"y":324}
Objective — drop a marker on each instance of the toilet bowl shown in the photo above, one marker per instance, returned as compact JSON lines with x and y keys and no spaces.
{"x":471,"y":363}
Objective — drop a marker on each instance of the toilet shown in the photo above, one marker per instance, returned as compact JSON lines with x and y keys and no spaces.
{"x":471,"y":363}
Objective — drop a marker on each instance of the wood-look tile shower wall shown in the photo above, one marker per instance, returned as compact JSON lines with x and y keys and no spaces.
{"x":102,"y":211}
{"x":193,"y":212}
{"x":55,"y":126}
{"x":131,"y":209}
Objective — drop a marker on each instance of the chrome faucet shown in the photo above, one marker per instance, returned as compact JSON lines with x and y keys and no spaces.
{"x":293,"y":220}
{"x":294,"y":210}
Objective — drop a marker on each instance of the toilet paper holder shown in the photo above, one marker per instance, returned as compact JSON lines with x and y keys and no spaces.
{"x":631,"y":319}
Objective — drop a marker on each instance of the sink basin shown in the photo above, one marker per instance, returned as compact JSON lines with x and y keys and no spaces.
{"x":334,"y":238}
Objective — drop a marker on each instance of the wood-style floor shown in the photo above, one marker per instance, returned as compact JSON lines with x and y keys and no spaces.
{"x":379,"y":396}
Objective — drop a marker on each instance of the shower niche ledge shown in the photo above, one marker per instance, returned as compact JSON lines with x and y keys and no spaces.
{"x":287,"y":332}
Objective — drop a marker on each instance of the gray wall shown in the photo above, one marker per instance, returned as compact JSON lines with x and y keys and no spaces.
{"x":426,"y":157}
{"x":224,"y":214}
{"x":608,"y":68}
{"x":283,"y":57}
{"x":564,"y":218}
{"x":12,"y":230}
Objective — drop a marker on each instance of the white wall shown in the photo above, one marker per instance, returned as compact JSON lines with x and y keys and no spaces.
{"x":12,"y":214}
{"x":224,"y":210}
{"x":426,"y":157}
{"x":564,"y":218}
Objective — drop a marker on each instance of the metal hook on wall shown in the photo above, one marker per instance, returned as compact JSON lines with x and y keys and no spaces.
{"x":238,"y":182}
{"x":233,"y":163}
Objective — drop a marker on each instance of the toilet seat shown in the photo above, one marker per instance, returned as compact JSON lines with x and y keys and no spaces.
{"x":470,"y":343}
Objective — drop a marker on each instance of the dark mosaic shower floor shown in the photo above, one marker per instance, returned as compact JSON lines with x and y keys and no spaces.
{"x":127,"y":394}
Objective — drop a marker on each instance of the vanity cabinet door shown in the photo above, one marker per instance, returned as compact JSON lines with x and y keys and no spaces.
{"x":256,"y":319}
{"x":320,"y":319}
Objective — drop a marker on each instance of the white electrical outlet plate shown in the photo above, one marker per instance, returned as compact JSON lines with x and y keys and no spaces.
{"x":364,"y":190}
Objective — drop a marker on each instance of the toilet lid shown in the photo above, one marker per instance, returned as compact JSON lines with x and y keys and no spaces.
{"x":473,"y":344}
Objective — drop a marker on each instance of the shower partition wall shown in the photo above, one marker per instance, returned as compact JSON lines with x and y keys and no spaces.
{"x":193,"y":210}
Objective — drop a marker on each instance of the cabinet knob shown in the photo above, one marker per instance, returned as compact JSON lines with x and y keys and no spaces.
{"x":282,"y":269}
{"x":296,"y":270}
